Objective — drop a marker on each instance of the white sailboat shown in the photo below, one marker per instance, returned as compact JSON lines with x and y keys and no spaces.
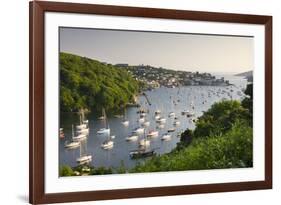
{"x":139,"y":130}
{"x":141,"y":120}
{"x":177,"y":123}
{"x":132,"y":138}
{"x":83,"y":158}
{"x":81,"y":126}
{"x":108,"y":144}
{"x":103,"y":131}
{"x":153,"y":134}
{"x":157,"y":112}
{"x":146,"y":123}
{"x":160,"y":126}
{"x":161,"y":120}
{"x":83,"y":131}
{"x":157,"y":117}
{"x":106,"y":129}
{"x":73,"y":144}
{"x":79,"y":137}
{"x":144,"y":142}
{"x":172,"y":129}
{"x":125,"y":122}
{"x":172,"y":114}
{"x":102,"y":117}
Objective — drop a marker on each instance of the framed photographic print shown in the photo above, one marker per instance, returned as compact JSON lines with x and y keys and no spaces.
{"x":138,"y":102}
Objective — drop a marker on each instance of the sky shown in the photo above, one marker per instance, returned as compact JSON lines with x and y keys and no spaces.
{"x":188,"y":52}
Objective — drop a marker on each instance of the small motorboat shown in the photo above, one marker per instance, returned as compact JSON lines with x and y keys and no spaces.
{"x":118,"y":116}
{"x":141,"y":120}
{"x":108,"y":144}
{"x":139,"y":130}
{"x":190,"y":114}
{"x":79,"y":137}
{"x":142,"y":153}
{"x":157,"y":112}
{"x":72,"y":145}
{"x":125,"y":123}
{"x":146,"y":124}
{"x":157,"y":117}
{"x":82,"y":126}
{"x":101,"y":118}
{"x":132,"y":138}
{"x":83,"y":131}
{"x":160,"y":126}
{"x":176,"y":123}
{"x":161,"y":120}
{"x":143,"y":114}
{"x":172,"y":114}
{"x":179,"y":134}
{"x":85,"y":121}
{"x":153,"y":134}
{"x":103,"y":131}
{"x":171,"y":129}
{"x":84,"y":159}
{"x":144,"y":143}
{"x":166,"y":137}
{"x":185,"y":112}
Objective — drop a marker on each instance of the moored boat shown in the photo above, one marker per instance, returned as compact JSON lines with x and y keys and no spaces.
{"x":144,"y":143}
{"x":172,"y":129}
{"x":84,"y":159}
{"x":79,"y":137}
{"x":153,"y":134}
{"x":161,"y":120}
{"x":108,"y":144}
{"x":103,"y":131}
{"x":139,"y":130}
{"x":166,"y":137}
{"x":132,"y":138}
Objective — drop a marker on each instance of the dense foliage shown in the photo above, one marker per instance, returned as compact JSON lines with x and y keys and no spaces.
{"x":248,"y":101}
{"x":89,"y":84}
{"x":230,"y":150}
{"x":66,"y":171}
{"x":220,"y":118}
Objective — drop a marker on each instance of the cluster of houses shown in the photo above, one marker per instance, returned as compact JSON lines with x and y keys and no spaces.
{"x":155,"y":77}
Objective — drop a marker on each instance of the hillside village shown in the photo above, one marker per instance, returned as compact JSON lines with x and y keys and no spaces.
{"x":155,"y":77}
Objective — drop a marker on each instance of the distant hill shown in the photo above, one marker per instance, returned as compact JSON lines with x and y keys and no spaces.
{"x":248,"y":75}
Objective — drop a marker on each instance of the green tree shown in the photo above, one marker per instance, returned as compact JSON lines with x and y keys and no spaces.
{"x":66,"y":171}
{"x":87,"y":83}
{"x":219,"y":118}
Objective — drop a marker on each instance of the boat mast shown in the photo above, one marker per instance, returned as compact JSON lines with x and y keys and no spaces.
{"x":125,"y":116}
{"x":72,"y":132}
{"x":144,"y":139}
{"x":80,"y":150}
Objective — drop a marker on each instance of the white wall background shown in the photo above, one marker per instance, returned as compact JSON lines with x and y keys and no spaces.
{"x":14,"y":100}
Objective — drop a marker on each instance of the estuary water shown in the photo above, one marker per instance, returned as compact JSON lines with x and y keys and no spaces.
{"x":196,"y":99}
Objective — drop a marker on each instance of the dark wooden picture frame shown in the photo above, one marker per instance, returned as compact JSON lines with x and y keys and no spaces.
{"x":37,"y":95}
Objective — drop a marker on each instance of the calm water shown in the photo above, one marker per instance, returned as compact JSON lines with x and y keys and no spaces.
{"x":161,"y":98}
